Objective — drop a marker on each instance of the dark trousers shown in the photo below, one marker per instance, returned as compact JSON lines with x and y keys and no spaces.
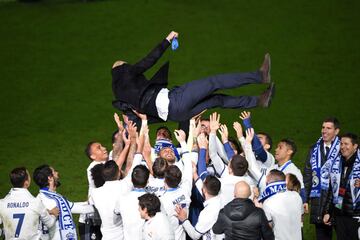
{"x":192,"y":98}
{"x":89,"y":232}
{"x":346,"y":228}
{"x":323,"y":232}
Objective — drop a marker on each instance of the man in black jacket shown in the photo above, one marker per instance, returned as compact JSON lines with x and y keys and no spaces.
{"x":240,"y":219}
{"x":133,"y":92}
{"x":343,"y":203}
{"x":326,"y":147}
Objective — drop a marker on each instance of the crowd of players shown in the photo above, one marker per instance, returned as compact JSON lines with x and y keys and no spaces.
{"x":209,"y":186}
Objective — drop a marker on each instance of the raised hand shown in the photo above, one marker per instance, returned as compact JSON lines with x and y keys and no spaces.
{"x":214,"y":122}
{"x":180,"y":135}
{"x":172,"y":35}
{"x":245,"y":115}
{"x":249,"y":135}
{"x":238,"y":129}
{"x":202,"y":141}
{"x":224,"y":133}
{"x":142,"y":116}
{"x":131,"y":128}
{"x":118,"y":122}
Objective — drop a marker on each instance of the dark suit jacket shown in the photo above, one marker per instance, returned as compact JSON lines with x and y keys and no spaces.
{"x":130,"y":85}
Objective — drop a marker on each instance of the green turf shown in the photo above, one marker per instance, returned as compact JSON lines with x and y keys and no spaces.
{"x":56,"y":57}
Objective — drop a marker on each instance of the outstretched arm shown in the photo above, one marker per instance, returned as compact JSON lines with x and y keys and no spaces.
{"x":256,"y":144}
{"x":154,"y":55}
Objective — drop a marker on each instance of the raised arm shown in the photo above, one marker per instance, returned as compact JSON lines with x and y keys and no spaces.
{"x":256,"y":144}
{"x":150,"y":60}
{"x":216,"y":160}
{"x":225,"y":140}
{"x":131,"y":128}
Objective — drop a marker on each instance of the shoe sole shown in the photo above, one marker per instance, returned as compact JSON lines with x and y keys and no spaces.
{"x":272,"y":94}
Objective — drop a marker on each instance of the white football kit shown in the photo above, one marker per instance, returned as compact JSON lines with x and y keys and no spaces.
{"x":20,"y":212}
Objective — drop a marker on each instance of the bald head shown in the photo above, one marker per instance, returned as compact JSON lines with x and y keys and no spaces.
{"x":242,"y":190}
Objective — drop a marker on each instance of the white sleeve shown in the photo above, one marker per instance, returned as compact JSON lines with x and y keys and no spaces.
{"x":187,"y":175}
{"x":219,"y":165}
{"x":221,"y":150}
{"x":81,"y":208}
{"x":267,"y":211}
{"x":191,"y":231}
{"x":45,"y":217}
{"x":250,"y":157}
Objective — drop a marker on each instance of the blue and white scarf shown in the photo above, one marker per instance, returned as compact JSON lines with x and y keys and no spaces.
{"x":163,"y":143}
{"x":272,"y":189}
{"x":66,"y":224}
{"x":319,"y":177}
{"x":335,"y":175}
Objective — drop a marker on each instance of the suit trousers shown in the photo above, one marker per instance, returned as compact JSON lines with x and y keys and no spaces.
{"x":193,"y":97}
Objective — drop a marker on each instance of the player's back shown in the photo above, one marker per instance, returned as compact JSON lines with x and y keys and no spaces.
{"x":20,"y":212}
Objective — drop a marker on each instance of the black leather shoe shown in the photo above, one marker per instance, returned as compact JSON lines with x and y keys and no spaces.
{"x":265,"y":97}
{"x":265,"y":69}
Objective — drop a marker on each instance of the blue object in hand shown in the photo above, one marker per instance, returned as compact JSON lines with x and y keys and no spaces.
{"x":174,"y":44}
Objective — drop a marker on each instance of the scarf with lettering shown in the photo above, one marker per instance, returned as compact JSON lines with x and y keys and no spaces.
{"x":335,"y":170}
{"x":319,"y":176}
{"x":66,"y":224}
{"x":272,"y":189}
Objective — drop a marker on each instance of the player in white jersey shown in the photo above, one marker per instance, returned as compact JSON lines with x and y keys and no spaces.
{"x":20,"y":211}
{"x":178,"y":186}
{"x":156,"y":182}
{"x":283,"y":209}
{"x":105,"y":197}
{"x":208,"y":216}
{"x":127,"y":205}
{"x":156,"y":225}
{"x":48,"y":180}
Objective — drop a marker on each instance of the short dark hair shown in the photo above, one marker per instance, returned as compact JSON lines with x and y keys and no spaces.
{"x":96,"y":174}
{"x":276,"y":175}
{"x":18,"y":176}
{"x":212,"y":185}
{"x":268,"y":139}
{"x":166,"y":130}
{"x":290,"y":143}
{"x":159,"y":167}
{"x":293,"y":183}
{"x":88,"y":149}
{"x":173,"y":176}
{"x":151,"y":202}
{"x":110,"y":171}
{"x":333,"y":120}
{"x":353,"y":137}
{"x":239,"y":165}
{"x":41,"y":175}
{"x":140,"y":176}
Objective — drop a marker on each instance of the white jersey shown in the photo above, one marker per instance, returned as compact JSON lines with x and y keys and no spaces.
{"x":156,"y":186}
{"x":171,"y":198}
{"x":228,"y":183}
{"x":158,"y":228}
{"x":266,"y":166}
{"x":53,"y":233}
{"x":128,"y":207}
{"x":91,"y":184}
{"x":20,"y":213}
{"x":180,"y":195}
{"x":284,"y":210}
{"x":104,"y":199}
{"x":207,"y":219}
{"x":290,"y":167}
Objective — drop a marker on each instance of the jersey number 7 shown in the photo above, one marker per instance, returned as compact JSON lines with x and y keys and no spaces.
{"x":20,"y":216}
